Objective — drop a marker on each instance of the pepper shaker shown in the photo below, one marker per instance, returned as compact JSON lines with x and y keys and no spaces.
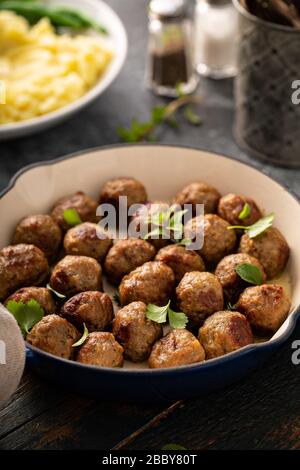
{"x":215,"y":38}
{"x":170,"y":56}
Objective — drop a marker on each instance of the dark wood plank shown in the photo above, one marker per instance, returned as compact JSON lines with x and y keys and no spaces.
{"x":260,"y":412}
{"x":32,"y":398}
{"x":42,"y":417}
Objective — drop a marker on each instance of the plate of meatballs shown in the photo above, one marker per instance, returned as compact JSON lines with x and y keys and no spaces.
{"x":147,"y":317}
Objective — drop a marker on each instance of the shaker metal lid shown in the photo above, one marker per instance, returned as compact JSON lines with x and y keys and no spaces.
{"x":167,"y":9}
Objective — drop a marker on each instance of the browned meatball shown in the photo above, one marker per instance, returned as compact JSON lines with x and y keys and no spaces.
{"x":74,"y":274}
{"x":152,"y":283}
{"x":199,"y":295}
{"x":41,"y":231}
{"x":231,"y":282}
{"x":93,"y":308}
{"x":140,"y":222}
{"x":218,"y":240}
{"x":101,"y":349}
{"x":224,"y":332}
{"x":135,"y":332}
{"x":84,"y":205}
{"x":270,"y":248}
{"x":199,"y":193}
{"x":54,"y":335}
{"x":131,"y":188}
{"x":231,"y":205}
{"x":125,"y":256}
{"x":266,"y":307}
{"x":42,"y":295}
{"x":20,"y":266}
{"x":84,"y":240}
{"x":180,"y":260}
{"x":177,"y":348}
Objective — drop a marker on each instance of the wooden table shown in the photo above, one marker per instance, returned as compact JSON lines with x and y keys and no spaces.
{"x":260,"y":412}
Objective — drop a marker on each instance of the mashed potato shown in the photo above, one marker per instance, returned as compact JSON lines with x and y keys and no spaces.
{"x":43,"y":71}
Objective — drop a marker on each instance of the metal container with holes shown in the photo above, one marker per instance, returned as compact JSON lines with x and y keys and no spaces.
{"x":267,"y":117}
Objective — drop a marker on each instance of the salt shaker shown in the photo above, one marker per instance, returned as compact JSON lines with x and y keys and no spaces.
{"x":170,"y":56}
{"x":215,"y":38}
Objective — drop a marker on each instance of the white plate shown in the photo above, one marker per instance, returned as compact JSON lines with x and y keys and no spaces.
{"x":117,"y":38}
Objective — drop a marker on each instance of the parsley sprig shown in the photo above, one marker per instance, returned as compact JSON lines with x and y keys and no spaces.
{"x":26,"y":314}
{"x":245,"y":212}
{"x":83,"y":337}
{"x":168,"y":223}
{"x":71,"y":217}
{"x":258,"y":228}
{"x":162,"y":314}
{"x":249,"y":273}
{"x":160,"y":115}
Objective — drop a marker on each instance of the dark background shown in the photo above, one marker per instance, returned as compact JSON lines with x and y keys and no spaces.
{"x":261,"y":412}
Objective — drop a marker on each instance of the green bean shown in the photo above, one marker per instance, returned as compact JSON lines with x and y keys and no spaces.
{"x":59,"y":17}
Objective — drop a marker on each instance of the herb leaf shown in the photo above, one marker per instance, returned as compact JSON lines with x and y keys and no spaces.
{"x":185,"y":242}
{"x":157,"y":314}
{"x":71,"y":217}
{"x":160,"y":314}
{"x":168,"y":220}
{"x":249,"y":273}
{"x":261,"y":225}
{"x":27,"y":315}
{"x":177,"y":319}
{"x":116,"y":298}
{"x":60,"y":296}
{"x":191,"y":116}
{"x":154,"y":233}
{"x":144,"y":131}
{"x":258,"y":228}
{"x":245,"y":212}
{"x":83,"y":337}
{"x":173,"y":447}
{"x":230,"y":306}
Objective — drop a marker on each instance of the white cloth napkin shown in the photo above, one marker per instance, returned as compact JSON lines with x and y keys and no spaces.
{"x":12,"y":355}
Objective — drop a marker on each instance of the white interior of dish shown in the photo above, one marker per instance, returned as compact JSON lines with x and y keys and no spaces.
{"x":117,"y":40}
{"x":164,"y":171}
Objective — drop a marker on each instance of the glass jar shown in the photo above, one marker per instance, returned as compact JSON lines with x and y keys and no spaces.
{"x":215,"y":38}
{"x":170,"y":55}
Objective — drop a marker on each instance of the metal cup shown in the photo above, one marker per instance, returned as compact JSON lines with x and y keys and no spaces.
{"x":267,"y":123}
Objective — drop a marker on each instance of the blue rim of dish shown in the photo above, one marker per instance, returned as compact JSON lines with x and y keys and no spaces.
{"x":247,"y":350}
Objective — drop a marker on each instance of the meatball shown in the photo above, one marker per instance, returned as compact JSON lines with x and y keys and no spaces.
{"x":177,"y":348}
{"x":101,"y":349}
{"x":125,"y":256}
{"x":41,"y":231}
{"x":199,"y":295}
{"x":266,"y":307}
{"x":135,"y":332}
{"x":270,"y":248}
{"x":218,"y":240}
{"x":131,"y":188}
{"x":231,"y":205}
{"x":84,"y":205}
{"x":83,"y":239}
{"x":42,"y":295}
{"x":74,"y":274}
{"x":152,"y":283}
{"x":231,"y":282}
{"x":224,"y":332}
{"x":199,"y":193}
{"x":54,"y":335}
{"x":140,"y":222}
{"x":93,"y":308}
{"x":180,"y":260}
{"x":20,"y":266}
